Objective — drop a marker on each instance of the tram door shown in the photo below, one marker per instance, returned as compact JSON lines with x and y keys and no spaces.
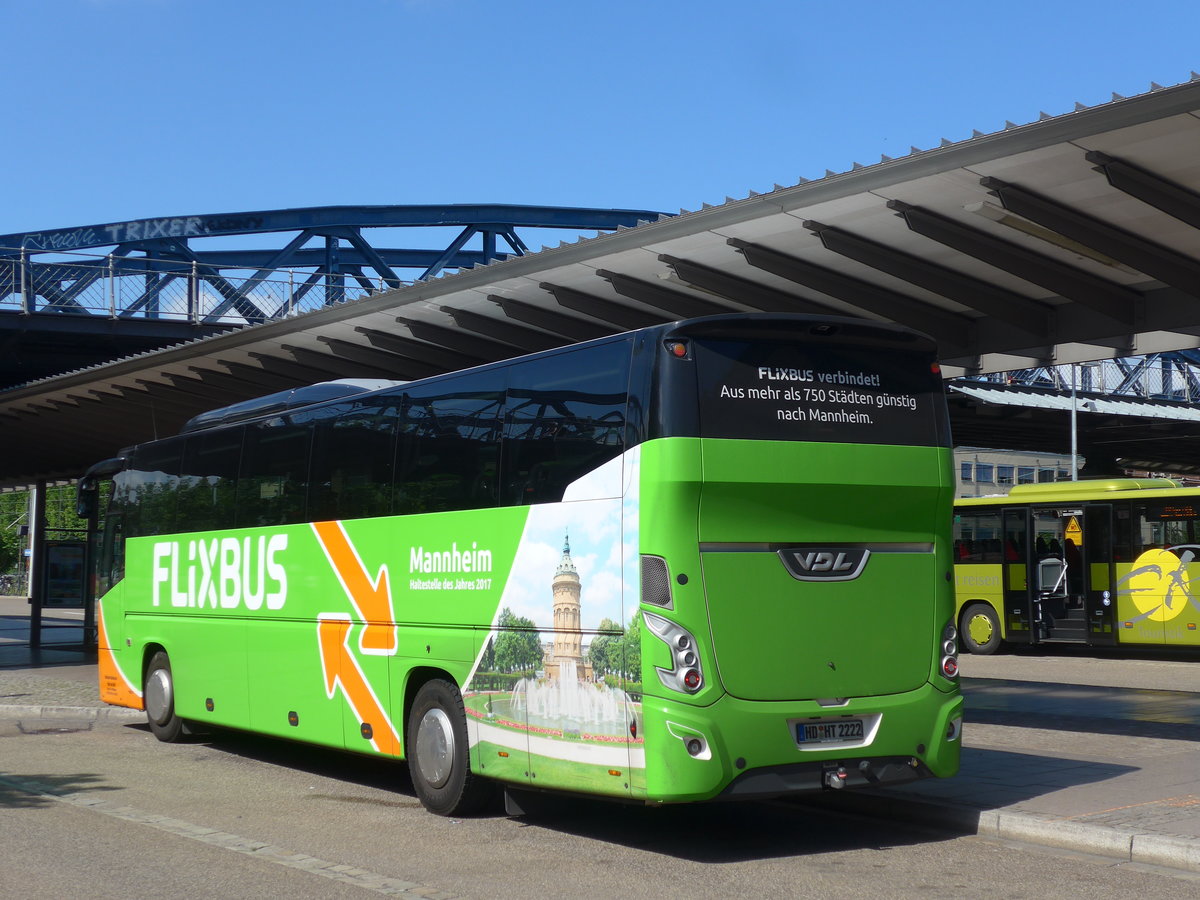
{"x":1100,"y":594}
{"x":1018,"y":588}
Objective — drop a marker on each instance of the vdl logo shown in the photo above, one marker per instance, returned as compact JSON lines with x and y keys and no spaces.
{"x":808,"y":564}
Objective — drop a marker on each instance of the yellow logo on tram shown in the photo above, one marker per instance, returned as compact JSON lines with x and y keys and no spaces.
{"x":1158,"y":584}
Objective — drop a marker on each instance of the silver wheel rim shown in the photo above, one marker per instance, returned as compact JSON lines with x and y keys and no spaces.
{"x":435,"y":747}
{"x":159,"y":696}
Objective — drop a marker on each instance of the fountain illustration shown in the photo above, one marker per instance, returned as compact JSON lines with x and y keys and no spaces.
{"x":570,"y":704}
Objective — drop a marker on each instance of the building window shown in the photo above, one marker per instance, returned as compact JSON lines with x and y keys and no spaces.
{"x":966,"y":471}
{"x":1025,"y":475}
{"x":1045,"y":476}
{"x":1064,"y":475}
{"x":983,"y":472}
{"x":1004,"y":474}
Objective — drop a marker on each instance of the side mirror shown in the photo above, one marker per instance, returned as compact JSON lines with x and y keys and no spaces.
{"x":85,"y":498}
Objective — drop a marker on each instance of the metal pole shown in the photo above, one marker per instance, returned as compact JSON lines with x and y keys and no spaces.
{"x":37,"y":562}
{"x":112,"y":287}
{"x":1074,"y":433}
{"x":194,"y":295}
{"x":291,"y":291}
{"x":26,"y":300}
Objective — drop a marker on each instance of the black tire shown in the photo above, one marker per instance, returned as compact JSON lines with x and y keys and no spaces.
{"x":438,"y":755}
{"x":979,"y":629}
{"x":158,"y":695}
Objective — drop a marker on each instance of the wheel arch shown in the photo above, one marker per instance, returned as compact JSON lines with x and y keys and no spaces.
{"x":417,"y":677}
{"x":148,"y":651}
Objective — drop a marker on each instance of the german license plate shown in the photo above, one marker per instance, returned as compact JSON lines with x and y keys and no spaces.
{"x":829,"y":732}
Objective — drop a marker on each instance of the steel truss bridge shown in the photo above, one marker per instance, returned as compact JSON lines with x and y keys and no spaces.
{"x":85,"y":294}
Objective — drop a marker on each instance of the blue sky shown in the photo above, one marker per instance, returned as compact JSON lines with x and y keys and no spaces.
{"x":121,"y":109}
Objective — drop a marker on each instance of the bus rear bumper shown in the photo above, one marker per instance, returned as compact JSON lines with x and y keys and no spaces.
{"x":738,"y":749}
{"x":775,"y":781}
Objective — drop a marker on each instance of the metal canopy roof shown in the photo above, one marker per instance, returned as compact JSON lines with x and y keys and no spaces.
{"x":1068,"y":239}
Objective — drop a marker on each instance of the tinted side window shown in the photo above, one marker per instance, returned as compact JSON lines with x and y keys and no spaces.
{"x":566,"y":417}
{"x":274,"y":473}
{"x":353,"y":449}
{"x":147,"y":488}
{"x":208,"y":483}
{"x":448,"y":445}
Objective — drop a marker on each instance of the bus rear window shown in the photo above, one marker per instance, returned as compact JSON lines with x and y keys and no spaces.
{"x":801,"y":392}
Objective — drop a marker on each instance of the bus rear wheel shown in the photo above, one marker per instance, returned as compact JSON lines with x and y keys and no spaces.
{"x":980,"y":629}
{"x":438,"y":753}
{"x":158,"y":694}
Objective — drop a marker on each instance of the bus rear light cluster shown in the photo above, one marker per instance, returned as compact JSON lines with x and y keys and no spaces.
{"x":685,"y":675}
{"x":950,"y":651}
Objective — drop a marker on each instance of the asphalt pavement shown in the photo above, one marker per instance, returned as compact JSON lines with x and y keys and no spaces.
{"x":1050,"y":759}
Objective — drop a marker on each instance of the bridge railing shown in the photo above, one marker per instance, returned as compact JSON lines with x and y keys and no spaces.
{"x":174,"y":290}
{"x":1173,"y":376}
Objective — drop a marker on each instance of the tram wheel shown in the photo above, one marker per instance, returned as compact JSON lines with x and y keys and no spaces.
{"x":980,"y":629}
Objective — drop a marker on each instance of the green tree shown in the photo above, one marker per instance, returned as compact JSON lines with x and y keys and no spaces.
{"x":631,"y":645}
{"x":519,"y":645}
{"x":604,"y":652}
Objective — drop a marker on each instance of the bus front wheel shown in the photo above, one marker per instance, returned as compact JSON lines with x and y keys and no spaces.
{"x":158,"y":693}
{"x":980,"y":629}
{"x":438,"y":754}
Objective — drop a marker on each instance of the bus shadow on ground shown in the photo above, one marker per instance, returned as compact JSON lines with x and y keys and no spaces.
{"x":989,"y":779}
{"x":712,"y":832}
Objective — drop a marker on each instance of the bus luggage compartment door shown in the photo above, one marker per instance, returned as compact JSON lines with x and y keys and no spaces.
{"x":780,"y":638}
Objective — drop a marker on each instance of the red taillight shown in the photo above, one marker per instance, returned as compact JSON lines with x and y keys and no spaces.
{"x":950,"y":667}
{"x":691,"y":679}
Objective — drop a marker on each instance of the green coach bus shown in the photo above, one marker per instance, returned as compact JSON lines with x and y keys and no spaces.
{"x":706,"y":559}
{"x":1100,"y":562}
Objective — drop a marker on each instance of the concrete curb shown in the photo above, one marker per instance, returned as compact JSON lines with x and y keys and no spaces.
{"x":88,"y":713}
{"x":1169,"y":851}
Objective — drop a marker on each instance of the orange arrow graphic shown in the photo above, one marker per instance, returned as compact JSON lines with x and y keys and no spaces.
{"x":371,"y":598}
{"x":340,"y":667}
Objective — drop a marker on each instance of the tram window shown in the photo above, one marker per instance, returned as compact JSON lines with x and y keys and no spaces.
{"x":977,"y":537}
{"x":1122,"y":534}
{"x":1164,"y":524}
